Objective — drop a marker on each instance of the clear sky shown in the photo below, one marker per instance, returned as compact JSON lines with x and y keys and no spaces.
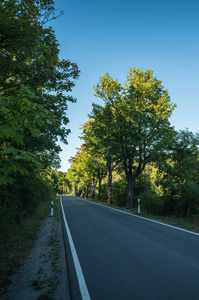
{"x":112,"y":36}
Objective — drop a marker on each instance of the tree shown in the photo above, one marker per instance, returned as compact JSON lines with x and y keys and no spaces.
{"x":34,"y":86}
{"x":94,"y":168}
{"x":101,"y":174}
{"x":139,"y":120}
{"x":75,"y":172}
{"x":178,"y":173}
{"x":33,"y":83}
{"x":87,"y":170}
{"x":97,"y":136}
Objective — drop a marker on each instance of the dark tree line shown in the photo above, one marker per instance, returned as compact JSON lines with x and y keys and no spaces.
{"x":34,"y":84}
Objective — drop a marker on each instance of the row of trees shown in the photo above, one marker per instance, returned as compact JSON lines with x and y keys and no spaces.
{"x":131,"y":136}
{"x":33,"y":98}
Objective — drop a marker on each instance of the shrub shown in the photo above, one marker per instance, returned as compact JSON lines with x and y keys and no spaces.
{"x":188,"y":199}
{"x":150,"y":202}
{"x":22,"y":199}
{"x":119,"y":192}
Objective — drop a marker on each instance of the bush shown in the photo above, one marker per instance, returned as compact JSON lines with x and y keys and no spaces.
{"x":150,"y":202}
{"x":188,"y":200}
{"x":103,"y":194}
{"x":182,"y":200}
{"x":119,"y":192}
{"x":142,"y":184}
{"x":80,"y":192}
{"x":22,"y":199}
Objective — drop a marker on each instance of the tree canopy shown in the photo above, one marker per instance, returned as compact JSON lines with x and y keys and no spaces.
{"x":145,"y":157}
{"x":34,"y":84}
{"x":133,"y":123}
{"x":34,"y":95}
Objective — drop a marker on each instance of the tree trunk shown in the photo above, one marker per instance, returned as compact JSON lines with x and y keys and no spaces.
{"x":109,"y":172}
{"x":84,"y":194}
{"x":99,"y":188}
{"x":87,"y":189}
{"x":75,"y":188}
{"x":93,"y":188}
{"x":130,"y":189}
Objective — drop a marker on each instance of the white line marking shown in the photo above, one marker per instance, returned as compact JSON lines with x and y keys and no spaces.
{"x":133,"y":215}
{"x":82,"y":284}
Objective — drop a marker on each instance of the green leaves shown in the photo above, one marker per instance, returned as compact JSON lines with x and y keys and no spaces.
{"x":19,"y":113}
{"x":178,"y":173}
{"x":133,"y":122}
{"x":108,"y":89}
{"x":33,"y":83}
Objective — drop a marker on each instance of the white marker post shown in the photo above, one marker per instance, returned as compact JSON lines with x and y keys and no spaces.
{"x":51,"y":209}
{"x":138,"y":206}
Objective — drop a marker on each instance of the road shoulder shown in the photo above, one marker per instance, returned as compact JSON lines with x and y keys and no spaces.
{"x":44,"y":271}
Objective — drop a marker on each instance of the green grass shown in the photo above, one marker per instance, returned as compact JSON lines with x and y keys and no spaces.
{"x":189,"y":223}
{"x":38,"y":283}
{"x":49,"y":284}
{"x":18,"y":244}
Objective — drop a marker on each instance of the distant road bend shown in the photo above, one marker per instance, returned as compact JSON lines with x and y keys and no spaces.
{"x":113,"y":255}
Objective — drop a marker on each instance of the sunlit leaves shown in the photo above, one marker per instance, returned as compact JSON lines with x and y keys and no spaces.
{"x":33,"y":87}
{"x":133,"y":123}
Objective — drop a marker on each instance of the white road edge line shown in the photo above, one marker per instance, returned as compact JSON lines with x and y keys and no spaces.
{"x":82,"y":284}
{"x":133,"y":215}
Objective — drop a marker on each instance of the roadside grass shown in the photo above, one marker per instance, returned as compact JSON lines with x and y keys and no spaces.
{"x":18,"y":243}
{"x":48,"y":284}
{"x":189,"y":223}
{"x":51,"y":282}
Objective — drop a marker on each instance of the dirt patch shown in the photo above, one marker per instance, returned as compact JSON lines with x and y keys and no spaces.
{"x":44,"y":273}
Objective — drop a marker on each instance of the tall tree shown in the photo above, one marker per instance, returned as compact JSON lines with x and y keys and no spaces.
{"x":88,"y":169}
{"x":33,"y":87}
{"x":99,"y":141}
{"x":139,"y":120}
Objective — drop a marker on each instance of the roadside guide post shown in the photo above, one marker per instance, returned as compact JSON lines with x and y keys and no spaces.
{"x":138,"y":206}
{"x":51,"y":209}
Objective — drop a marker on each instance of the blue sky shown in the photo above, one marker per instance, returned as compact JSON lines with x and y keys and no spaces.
{"x":113,"y":36}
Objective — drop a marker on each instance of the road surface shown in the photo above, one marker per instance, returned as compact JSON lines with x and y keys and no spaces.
{"x":125,"y":257}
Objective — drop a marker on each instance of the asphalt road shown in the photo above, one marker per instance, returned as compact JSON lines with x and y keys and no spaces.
{"x":126,"y":257}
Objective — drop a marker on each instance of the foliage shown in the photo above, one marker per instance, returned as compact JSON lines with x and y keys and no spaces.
{"x":132,"y":133}
{"x":33,"y":82}
{"x":133,"y":124}
{"x":34,"y":92}
{"x":86,"y":170}
{"x":168,"y":186}
{"x":29,"y":191}
{"x":58,"y":180}
{"x":151,"y":203}
{"x":178,"y":174}
{"x":18,"y":116}
{"x":119,"y":190}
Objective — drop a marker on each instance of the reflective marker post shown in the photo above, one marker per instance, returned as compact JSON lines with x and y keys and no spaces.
{"x":138,"y":206}
{"x":51,"y":209}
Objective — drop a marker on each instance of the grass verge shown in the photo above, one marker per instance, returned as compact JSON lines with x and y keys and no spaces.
{"x":189,"y":223}
{"x":46,"y":279}
{"x":18,"y":244}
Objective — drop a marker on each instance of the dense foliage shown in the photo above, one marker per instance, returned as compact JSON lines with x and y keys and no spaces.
{"x":34,"y":84}
{"x":132,"y":125}
{"x":143,"y":155}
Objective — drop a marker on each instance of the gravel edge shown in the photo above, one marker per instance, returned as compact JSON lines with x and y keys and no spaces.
{"x":44,"y":271}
